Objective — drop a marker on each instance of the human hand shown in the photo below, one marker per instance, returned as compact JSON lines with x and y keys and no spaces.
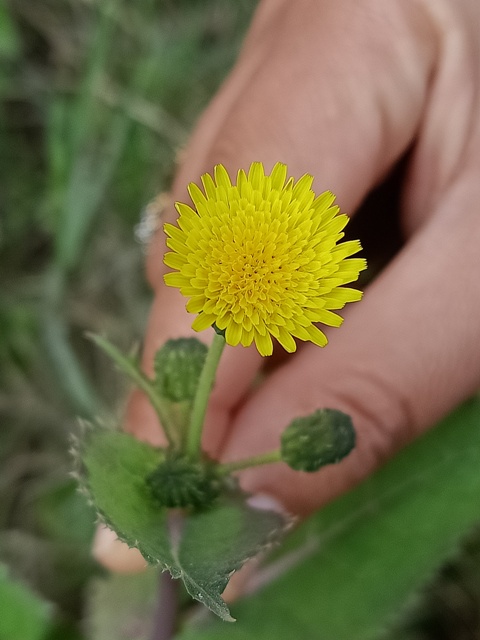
{"x":341,"y":91}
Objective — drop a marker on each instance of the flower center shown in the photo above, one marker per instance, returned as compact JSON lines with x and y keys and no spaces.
{"x":253,"y":266}
{"x":254,"y":275}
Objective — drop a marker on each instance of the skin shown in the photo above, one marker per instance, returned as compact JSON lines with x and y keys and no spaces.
{"x":341,"y":90}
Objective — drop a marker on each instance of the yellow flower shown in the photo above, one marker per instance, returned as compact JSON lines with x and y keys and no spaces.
{"x":261,"y":258}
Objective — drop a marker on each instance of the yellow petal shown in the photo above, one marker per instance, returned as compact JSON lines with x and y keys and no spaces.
{"x":264,"y":344}
{"x":196,"y":304}
{"x":233,"y":333}
{"x":203,"y":321}
{"x":286,"y":340}
{"x":278,"y":176}
{"x":221,"y":177}
{"x":316,"y":336}
{"x":328,"y":318}
{"x":256,"y":175}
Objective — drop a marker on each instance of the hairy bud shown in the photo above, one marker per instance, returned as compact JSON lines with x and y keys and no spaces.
{"x":322,"y":438}
{"x":178,"y":365}
{"x":181,"y":482}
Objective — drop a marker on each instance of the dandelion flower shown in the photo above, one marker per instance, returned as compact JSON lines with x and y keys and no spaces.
{"x":261,"y":258}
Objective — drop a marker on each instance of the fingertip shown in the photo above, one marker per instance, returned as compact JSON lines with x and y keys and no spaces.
{"x":141,"y":420}
{"x":238,"y":583}
{"x":115,"y":555}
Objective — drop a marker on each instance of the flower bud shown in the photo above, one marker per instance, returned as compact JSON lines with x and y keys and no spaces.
{"x":181,"y":482}
{"x":178,"y":365}
{"x":324,"y":437}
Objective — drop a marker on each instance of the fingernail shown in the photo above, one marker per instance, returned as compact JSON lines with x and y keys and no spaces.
{"x":114,"y":554}
{"x":266,"y":502}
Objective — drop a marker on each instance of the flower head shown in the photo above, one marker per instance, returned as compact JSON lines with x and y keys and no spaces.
{"x":262,"y":258}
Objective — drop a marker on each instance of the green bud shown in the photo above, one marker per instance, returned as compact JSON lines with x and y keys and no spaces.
{"x":178,"y":365}
{"x":324,"y":437}
{"x":181,"y":482}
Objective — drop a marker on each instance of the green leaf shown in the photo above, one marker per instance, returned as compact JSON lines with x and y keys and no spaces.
{"x":23,"y":615}
{"x":9,"y":38}
{"x":376,"y":546}
{"x":202,"y":548}
{"x":217,"y":542}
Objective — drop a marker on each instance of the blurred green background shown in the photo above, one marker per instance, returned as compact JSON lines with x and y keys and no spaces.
{"x":96,"y":100}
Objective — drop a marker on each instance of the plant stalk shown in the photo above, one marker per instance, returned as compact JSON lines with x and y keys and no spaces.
{"x":205,"y":385}
{"x":254,"y":461}
{"x":165,"y":617}
{"x":131,"y":369}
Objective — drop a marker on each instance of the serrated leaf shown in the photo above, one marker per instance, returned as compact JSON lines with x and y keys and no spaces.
{"x":217,"y":542}
{"x":376,"y":546}
{"x":114,"y":469}
{"x":203,"y":549}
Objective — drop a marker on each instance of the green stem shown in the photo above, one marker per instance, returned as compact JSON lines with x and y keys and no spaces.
{"x":130,"y":368}
{"x":254,"y":461}
{"x":205,"y":384}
